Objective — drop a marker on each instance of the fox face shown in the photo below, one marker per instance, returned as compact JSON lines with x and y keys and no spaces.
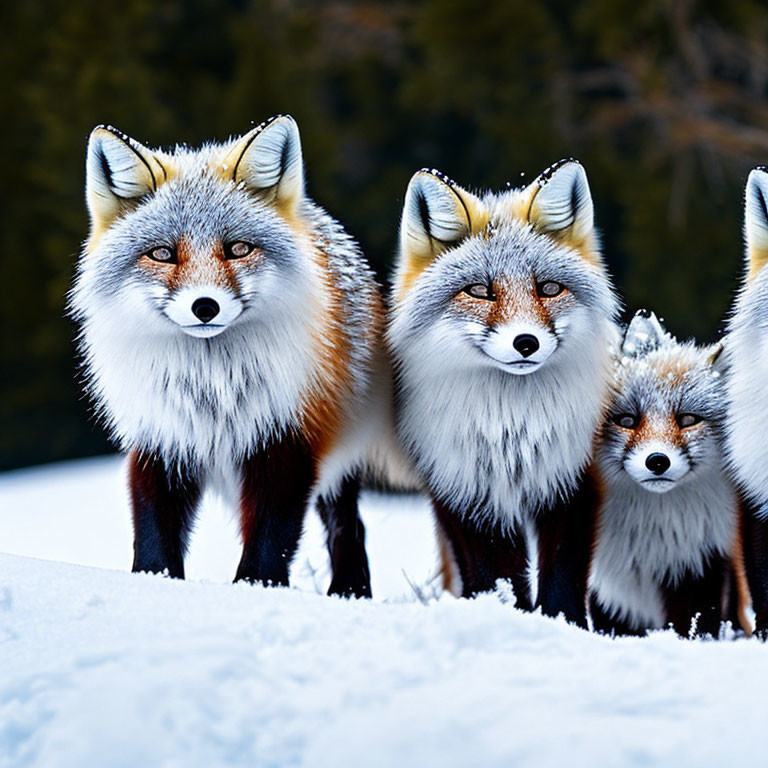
{"x":501,"y":326}
{"x":189,"y":243}
{"x":501,"y":282}
{"x":668,"y":405}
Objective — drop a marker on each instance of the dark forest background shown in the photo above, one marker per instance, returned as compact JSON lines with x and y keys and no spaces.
{"x":663,"y":100}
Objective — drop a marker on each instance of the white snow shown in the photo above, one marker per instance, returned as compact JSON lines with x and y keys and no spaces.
{"x":102,"y":668}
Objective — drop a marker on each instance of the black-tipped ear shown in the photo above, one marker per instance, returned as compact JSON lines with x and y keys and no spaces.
{"x":119,"y":171}
{"x":268,"y":161}
{"x":756,"y":220}
{"x":716,"y":359}
{"x":644,"y":334}
{"x":562,"y":202}
{"x":437,"y":215}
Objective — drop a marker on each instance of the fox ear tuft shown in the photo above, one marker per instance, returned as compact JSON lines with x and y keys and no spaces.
{"x":119,"y":171}
{"x":562,"y":203}
{"x":437,"y":215}
{"x":268,"y":161}
{"x":644,"y":334}
{"x":756,"y":220}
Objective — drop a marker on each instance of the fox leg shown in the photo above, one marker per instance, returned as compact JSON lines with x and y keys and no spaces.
{"x":700,"y":598}
{"x":277,"y":481}
{"x":566,"y":534}
{"x":346,"y":540}
{"x":756,"y":564}
{"x":485,"y":554}
{"x":164,"y":501}
{"x":606,"y":624}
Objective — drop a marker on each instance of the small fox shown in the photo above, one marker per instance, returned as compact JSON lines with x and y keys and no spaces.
{"x":501,"y":325}
{"x":667,"y":545}
{"x":746,"y":344}
{"x":231,"y":337}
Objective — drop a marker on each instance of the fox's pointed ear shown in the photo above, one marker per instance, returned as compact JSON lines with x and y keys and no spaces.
{"x":437,"y":215}
{"x":119,"y":171}
{"x":716,"y":360}
{"x":644,"y":334}
{"x":756,"y":220}
{"x":561,"y":204}
{"x":268,"y":161}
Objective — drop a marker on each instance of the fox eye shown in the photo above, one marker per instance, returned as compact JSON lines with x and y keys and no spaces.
{"x":687,"y":420}
{"x":238,"y":249}
{"x":626,"y":420}
{"x":549,"y":288}
{"x":162,"y":254}
{"x":480,"y":291}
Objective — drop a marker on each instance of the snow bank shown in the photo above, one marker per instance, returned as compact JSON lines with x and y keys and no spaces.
{"x":104,"y":668}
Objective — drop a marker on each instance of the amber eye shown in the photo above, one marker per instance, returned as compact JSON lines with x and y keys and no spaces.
{"x":163,"y":254}
{"x":238,"y":249}
{"x":626,"y":420}
{"x":687,"y":420}
{"x":549,"y":288}
{"x":480,"y":291}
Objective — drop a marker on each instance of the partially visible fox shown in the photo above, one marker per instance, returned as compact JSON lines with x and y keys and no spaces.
{"x":747,"y":353}
{"x":501,"y":328}
{"x":667,"y":545}
{"x":230,"y":330}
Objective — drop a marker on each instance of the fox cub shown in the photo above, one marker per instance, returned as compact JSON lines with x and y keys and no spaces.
{"x":501,"y":327}
{"x":668,"y":523}
{"x":747,"y":352}
{"x":230,"y":331}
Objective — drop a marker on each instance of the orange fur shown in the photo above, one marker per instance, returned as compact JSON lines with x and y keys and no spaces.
{"x":448,"y":568}
{"x":656,"y":429}
{"x":740,"y":574}
{"x":513,"y":299}
{"x":323,"y":411}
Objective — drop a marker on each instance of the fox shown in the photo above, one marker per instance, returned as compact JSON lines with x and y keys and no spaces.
{"x":231,"y":337}
{"x":746,"y":342}
{"x":502,"y":319}
{"x":667,"y":545}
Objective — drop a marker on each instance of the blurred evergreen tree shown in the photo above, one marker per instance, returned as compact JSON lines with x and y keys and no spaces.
{"x":663,"y":100}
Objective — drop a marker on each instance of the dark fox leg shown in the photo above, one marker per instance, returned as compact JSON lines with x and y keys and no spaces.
{"x":277,"y":481}
{"x":346,"y":540}
{"x":606,"y":624}
{"x":756,"y":565}
{"x":698,"y":596}
{"x":164,"y":503}
{"x":566,"y":533}
{"x":484,"y":555}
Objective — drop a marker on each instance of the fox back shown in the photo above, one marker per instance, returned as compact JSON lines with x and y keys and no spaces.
{"x":502,"y":320}
{"x":219,"y":306}
{"x":668,"y":506}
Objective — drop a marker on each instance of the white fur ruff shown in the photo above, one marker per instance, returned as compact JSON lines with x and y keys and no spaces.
{"x":493,"y":445}
{"x":647,"y":540}
{"x":197,"y":400}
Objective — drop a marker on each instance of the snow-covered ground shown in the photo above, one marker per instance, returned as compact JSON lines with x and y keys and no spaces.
{"x":102,"y":668}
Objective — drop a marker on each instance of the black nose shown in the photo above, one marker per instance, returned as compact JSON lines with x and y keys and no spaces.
{"x":658,"y":463}
{"x":205,"y":309}
{"x":526,"y":344}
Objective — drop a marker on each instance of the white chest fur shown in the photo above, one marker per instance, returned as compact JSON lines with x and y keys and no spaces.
{"x":647,"y":540}
{"x":497,"y":446}
{"x":198,"y":399}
